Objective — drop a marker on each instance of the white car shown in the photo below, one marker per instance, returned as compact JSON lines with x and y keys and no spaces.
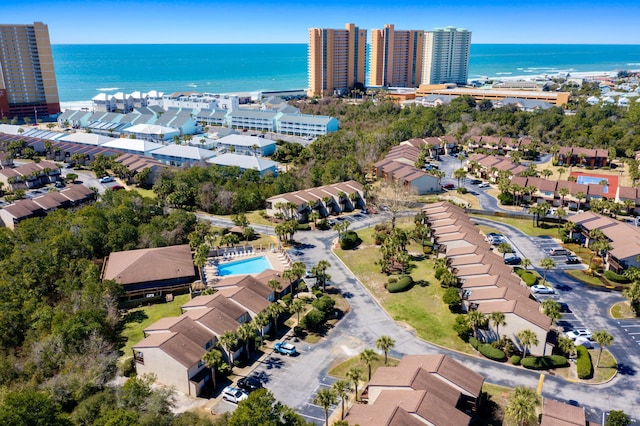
{"x":106,"y":179}
{"x":579,"y":333}
{"x":541,"y":289}
{"x":484,"y":185}
{"x":234,"y":395}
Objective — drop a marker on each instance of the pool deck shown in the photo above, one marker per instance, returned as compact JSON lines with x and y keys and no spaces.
{"x":279,"y":261}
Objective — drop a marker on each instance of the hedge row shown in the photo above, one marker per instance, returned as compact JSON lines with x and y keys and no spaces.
{"x":474,"y":342}
{"x":584,"y":366}
{"x":544,"y":362}
{"x":529,"y":278}
{"x":616,"y":278}
{"x":403,"y":284}
{"x":492,"y":353}
{"x":515,"y":359}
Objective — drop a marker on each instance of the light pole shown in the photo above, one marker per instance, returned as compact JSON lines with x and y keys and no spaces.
{"x":35,"y":110}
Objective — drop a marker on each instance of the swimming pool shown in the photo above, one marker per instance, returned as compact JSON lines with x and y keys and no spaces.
{"x":254,"y":265}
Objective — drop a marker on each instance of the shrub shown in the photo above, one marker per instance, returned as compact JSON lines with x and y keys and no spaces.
{"x":506,"y":199}
{"x":303,"y":227}
{"x":312,"y":320}
{"x":128,"y":367}
{"x":324,"y":304}
{"x":515,"y":359}
{"x":403,"y":284}
{"x":492,"y":353}
{"x":616,"y":278}
{"x":462,"y":327}
{"x":474,"y":342}
{"x":350,"y":240}
{"x":451,"y":297}
{"x":287,"y":299}
{"x":317,"y":293}
{"x":439,"y":272}
{"x":297,"y":330}
{"x":392,"y":280}
{"x":584,"y":367}
{"x":544,"y":362}
{"x":529,"y":278}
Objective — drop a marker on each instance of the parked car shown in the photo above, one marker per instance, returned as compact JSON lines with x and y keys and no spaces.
{"x":564,"y":308}
{"x":559,"y":252}
{"x":583,"y":341}
{"x":541,"y":289}
{"x":249,"y":384}
{"x":234,"y":395}
{"x":513,"y":260}
{"x":59,"y":184}
{"x":106,"y":179}
{"x":579,"y":332}
{"x":475,"y":182}
{"x":285,"y":348}
{"x":448,"y":186}
{"x":573,"y":259}
{"x":117,"y":187}
{"x":484,"y":185}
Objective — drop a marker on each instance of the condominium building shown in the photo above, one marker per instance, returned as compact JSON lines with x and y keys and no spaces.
{"x":336,"y":60}
{"x":28,"y":85}
{"x":446,"y":56}
{"x":396,"y":57}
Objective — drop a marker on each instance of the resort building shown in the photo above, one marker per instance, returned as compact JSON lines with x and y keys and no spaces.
{"x":396,"y":57}
{"x":336,"y":60}
{"x":28,"y":86}
{"x":247,"y":145}
{"x":326,"y":200}
{"x":252,"y":120}
{"x":421,"y":389}
{"x":305,"y":124}
{"x":29,"y":175}
{"x":554,"y":98}
{"x":246,"y":162}
{"x":181,"y":155}
{"x":446,"y":56}
{"x":590,"y":157}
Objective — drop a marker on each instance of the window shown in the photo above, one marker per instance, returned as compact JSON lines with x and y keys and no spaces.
{"x":139,"y":357}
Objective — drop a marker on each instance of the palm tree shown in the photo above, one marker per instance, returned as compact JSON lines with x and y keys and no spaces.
{"x":342,"y":389}
{"x":245,"y":332}
{"x":460,"y":174}
{"x":567,"y":346}
{"x":325,"y":398}
{"x":526,"y":262}
{"x":563,"y":192}
{"x":228,"y":340}
{"x":561,"y":171}
{"x":320,"y":272}
{"x":632,"y":294}
{"x":354,"y":374}
{"x":276,"y":286}
{"x":476,"y":319}
{"x":522,"y":404}
{"x":274,"y":311}
{"x":546,"y":263}
{"x":546,"y":173}
{"x":368,"y":356}
{"x":528,"y":338}
{"x":261,"y":321}
{"x":296,"y":307}
{"x":505,"y":248}
{"x":213,"y":360}
{"x":498,"y":319}
{"x":560,"y":214}
{"x":602,"y":338}
{"x":580,"y":196}
{"x":551,"y":308}
{"x":385,"y":343}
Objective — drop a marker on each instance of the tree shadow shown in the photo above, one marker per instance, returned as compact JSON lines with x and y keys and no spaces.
{"x":135,"y":316}
{"x":422,"y":283}
{"x":626,"y":370}
{"x":273,"y":363}
{"x":489,"y":412}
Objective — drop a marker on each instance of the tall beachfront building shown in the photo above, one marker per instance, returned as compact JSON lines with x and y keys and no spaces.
{"x":336,"y":60}
{"x":28,"y":85}
{"x":446,"y":56}
{"x":396,"y":57}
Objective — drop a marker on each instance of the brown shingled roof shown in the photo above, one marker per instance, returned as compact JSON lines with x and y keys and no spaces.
{"x":144,"y":265}
{"x":556,"y":413}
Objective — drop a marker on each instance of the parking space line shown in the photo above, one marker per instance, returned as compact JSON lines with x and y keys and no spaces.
{"x":312,"y":417}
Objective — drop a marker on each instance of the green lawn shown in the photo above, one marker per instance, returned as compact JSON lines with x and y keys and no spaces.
{"x":525,"y":225}
{"x":622,"y":310}
{"x":607,"y":368}
{"x":340,"y":370}
{"x":421,"y":307}
{"x":587,"y":279}
{"x":138,"y":319}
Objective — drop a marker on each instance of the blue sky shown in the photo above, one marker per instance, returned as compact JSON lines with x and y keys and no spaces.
{"x":285,"y":21}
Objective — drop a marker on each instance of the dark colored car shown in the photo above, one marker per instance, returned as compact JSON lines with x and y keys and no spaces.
{"x":513,"y":260}
{"x":564,"y":308}
{"x":475,"y":182}
{"x":448,"y":186}
{"x":573,"y":259}
{"x":249,"y":384}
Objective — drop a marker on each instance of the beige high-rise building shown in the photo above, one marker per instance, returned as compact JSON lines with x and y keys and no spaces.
{"x":336,"y":60}
{"x":28,"y":85}
{"x":446,"y":56}
{"x":396,"y":57}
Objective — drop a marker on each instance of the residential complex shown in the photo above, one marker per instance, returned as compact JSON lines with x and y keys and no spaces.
{"x":336,"y":60}
{"x":446,"y":56}
{"x":28,"y":85}
{"x":396,"y":57}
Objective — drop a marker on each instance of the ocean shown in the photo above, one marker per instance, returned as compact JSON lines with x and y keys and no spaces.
{"x":83,"y":71}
